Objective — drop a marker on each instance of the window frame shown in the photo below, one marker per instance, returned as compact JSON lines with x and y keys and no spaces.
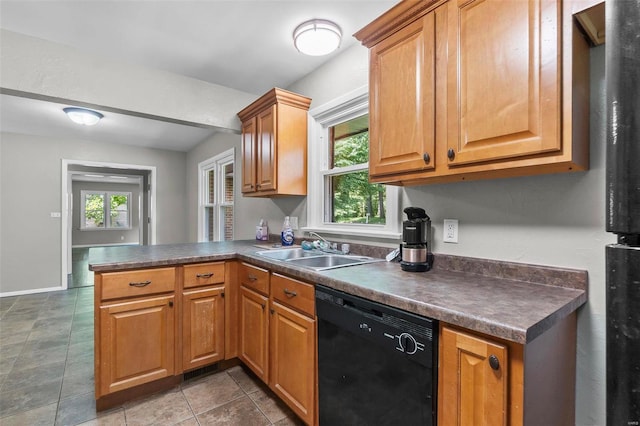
{"x":217,"y":164}
{"x":341,"y":109}
{"x":106,"y":208}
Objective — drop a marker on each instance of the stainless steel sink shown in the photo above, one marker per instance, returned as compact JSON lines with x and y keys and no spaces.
{"x":316,"y":260}
{"x":332,"y":261}
{"x":287,"y":254}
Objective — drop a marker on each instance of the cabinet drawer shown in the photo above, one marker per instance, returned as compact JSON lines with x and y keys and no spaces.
{"x":254,"y":277}
{"x":203,"y":274}
{"x":137,"y":283}
{"x":296,"y":294}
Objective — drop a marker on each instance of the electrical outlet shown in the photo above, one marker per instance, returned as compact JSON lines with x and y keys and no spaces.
{"x":450,"y":234}
{"x":293,"y":220}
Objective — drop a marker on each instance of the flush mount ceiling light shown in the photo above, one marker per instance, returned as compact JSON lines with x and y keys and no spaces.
{"x":317,"y":37}
{"x":86,"y":117}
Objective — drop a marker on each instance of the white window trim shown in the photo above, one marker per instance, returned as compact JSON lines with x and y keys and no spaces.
{"x":351,"y":105}
{"x":216,"y":163}
{"x":107,"y":210}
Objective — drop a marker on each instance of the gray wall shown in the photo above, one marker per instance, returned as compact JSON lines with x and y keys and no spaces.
{"x":99,"y":237}
{"x":30,"y":186}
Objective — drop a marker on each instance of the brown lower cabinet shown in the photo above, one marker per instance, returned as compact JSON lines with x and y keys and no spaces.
{"x":137,"y":343}
{"x":483,"y":380}
{"x":202,"y":327}
{"x":146,"y":337}
{"x":278,"y":336}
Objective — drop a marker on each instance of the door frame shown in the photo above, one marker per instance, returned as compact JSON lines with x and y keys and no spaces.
{"x":67,"y":208}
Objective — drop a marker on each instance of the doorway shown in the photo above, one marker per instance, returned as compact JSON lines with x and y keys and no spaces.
{"x":113,"y":178}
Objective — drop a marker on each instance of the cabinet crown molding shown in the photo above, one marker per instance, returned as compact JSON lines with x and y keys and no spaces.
{"x":398,"y":16}
{"x":273,"y":96}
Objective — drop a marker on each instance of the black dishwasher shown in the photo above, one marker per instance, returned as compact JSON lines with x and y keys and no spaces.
{"x":377,"y":365}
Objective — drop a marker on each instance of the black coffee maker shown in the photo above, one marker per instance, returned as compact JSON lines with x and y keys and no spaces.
{"x":415,"y":249}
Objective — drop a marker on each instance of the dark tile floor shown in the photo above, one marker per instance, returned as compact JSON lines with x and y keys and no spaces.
{"x":46,"y":375}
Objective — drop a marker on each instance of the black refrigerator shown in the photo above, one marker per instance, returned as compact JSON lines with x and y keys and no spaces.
{"x":623,"y":211}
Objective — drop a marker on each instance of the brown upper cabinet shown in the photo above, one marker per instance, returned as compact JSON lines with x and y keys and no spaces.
{"x":464,"y":90}
{"x":274,"y":145}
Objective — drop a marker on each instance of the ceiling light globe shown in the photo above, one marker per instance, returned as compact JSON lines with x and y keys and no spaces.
{"x":317,"y":37}
{"x":83,"y":116}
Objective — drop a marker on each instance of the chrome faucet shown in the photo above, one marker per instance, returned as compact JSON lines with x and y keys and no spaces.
{"x":327,"y":246}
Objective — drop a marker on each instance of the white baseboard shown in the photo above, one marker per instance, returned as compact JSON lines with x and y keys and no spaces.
{"x":30,"y":291}
{"x":106,"y":245}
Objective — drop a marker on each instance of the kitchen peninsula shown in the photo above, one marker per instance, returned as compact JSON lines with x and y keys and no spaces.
{"x":528,"y":311}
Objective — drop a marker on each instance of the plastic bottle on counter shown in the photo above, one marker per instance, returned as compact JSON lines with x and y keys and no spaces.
{"x":262,"y":230}
{"x":287,"y":232}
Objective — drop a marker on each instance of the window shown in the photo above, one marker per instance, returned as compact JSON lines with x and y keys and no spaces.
{"x":105,"y":210}
{"x":341,"y":199}
{"x":215,"y":215}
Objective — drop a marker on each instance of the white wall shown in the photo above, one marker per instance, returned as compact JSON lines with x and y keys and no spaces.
{"x":30,"y":179}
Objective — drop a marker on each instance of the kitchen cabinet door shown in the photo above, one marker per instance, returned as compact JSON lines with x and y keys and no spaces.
{"x":504,"y":80}
{"x":137,"y":343}
{"x":249,"y":133}
{"x":266,"y":161}
{"x":472,"y":380}
{"x":402,"y":101}
{"x":254,"y":332}
{"x":202,"y":327}
{"x":293,"y":359}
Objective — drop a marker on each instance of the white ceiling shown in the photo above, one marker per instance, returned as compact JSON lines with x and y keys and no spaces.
{"x":241,"y":44}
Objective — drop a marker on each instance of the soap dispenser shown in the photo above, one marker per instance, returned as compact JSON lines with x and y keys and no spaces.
{"x":287,"y":232}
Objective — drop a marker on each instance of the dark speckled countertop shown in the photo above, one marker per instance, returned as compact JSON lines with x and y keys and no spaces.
{"x":513,"y":301}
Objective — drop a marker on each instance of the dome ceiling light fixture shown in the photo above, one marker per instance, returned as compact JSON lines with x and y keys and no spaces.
{"x":317,"y":37}
{"x":83,"y":116}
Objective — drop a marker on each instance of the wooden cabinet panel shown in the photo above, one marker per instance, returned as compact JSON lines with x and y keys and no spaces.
{"x":255,"y":278}
{"x":254,"y":332}
{"x":296,"y":294}
{"x":249,"y":158}
{"x":503,"y":79}
{"x":274,"y":145}
{"x":402,"y":100}
{"x":137,"y":343}
{"x":137,"y":283}
{"x":472,"y":380}
{"x":266,"y":174}
{"x":492,"y":88}
{"x":202,"y":274}
{"x":203,"y":328}
{"x":293,"y":354}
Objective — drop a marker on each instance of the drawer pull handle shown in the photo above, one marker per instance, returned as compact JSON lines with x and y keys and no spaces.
{"x":426,"y":157}
{"x":140,"y":284}
{"x":207,"y":275}
{"x":290,"y":293}
{"x":252,"y":277}
{"x":171,"y":303}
